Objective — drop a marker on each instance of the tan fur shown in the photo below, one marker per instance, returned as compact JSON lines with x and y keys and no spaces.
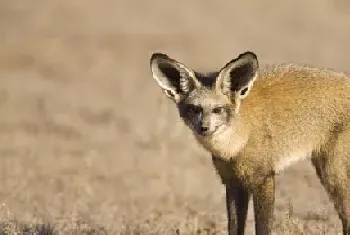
{"x":292,"y":112}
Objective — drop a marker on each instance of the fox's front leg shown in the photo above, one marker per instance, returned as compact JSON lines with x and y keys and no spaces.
{"x":264,"y":200}
{"x":237,"y":199}
{"x":237,"y":196}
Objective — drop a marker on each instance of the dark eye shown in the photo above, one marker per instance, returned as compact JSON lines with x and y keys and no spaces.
{"x":194,"y":109}
{"x":218,"y":110}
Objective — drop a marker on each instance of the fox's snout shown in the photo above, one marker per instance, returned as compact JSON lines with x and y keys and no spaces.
{"x":205,"y":129}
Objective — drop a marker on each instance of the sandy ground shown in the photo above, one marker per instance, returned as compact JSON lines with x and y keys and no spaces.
{"x":87,"y":139}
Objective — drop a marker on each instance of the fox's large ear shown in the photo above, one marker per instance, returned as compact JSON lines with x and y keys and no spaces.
{"x":236,"y":78}
{"x":173,"y":77}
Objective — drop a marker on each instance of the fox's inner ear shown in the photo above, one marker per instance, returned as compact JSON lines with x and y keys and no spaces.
{"x":173,"y":77}
{"x":236,"y":78}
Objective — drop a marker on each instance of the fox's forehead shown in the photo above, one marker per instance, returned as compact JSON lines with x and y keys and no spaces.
{"x":207,"y":79}
{"x":206,"y":97}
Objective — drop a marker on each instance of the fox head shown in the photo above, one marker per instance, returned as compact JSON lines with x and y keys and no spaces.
{"x":208,"y":104}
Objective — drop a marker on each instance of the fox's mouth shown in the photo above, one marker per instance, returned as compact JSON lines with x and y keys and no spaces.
{"x":207,"y":132}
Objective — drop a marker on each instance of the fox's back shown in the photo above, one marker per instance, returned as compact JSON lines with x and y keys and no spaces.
{"x":301,"y":80}
{"x":296,"y":87}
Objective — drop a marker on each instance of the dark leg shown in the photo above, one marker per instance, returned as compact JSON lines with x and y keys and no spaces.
{"x":264,"y":200}
{"x":346,"y":227}
{"x":336,"y":182}
{"x":237,"y":199}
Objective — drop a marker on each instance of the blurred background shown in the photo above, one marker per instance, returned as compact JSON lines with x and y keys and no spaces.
{"x":88,"y":140}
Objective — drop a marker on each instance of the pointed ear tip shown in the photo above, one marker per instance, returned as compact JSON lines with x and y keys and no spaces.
{"x":249,"y":54}
{"x":158,"y":55}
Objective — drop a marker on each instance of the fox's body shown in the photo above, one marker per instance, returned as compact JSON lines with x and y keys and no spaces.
{"x":258,"y":121}
{"x":291,"y":113}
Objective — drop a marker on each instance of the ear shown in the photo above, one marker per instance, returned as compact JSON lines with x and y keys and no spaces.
{"x":173,"y":77}
{"x":236,"y":78}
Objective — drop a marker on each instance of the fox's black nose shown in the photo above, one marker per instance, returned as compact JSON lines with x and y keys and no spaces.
{"x":204,"y":129}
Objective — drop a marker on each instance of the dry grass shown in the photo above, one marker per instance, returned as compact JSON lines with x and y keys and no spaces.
{"x":192,"y":223}
{"x":89,"y":145}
